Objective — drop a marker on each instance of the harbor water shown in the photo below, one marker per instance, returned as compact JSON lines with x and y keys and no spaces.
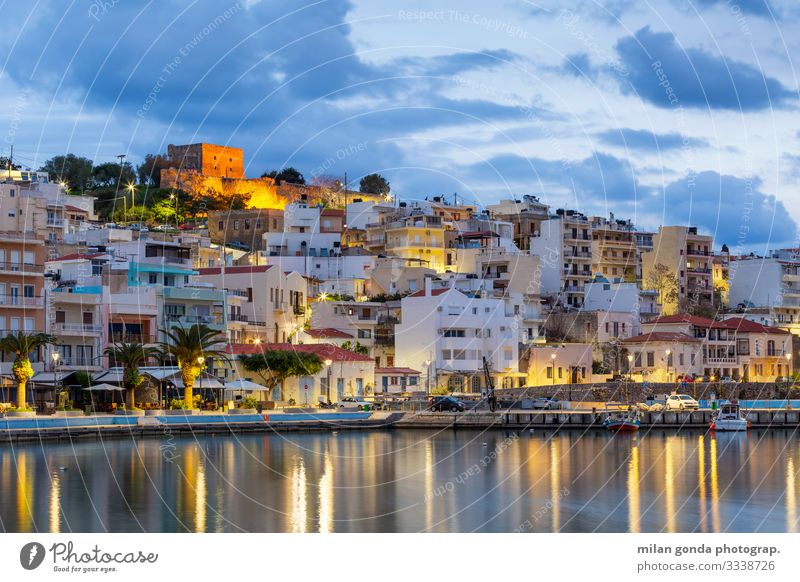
{"x":407,"y":481}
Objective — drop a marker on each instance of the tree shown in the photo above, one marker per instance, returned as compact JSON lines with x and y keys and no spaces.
{"x":289,"y":175}
{"x":134,"y":214}
{"x":130,"y":356}
{"x":355,"y":347}
{"x":74,"y":170}
{"x":190,"y":347}
{"x":149,"y":171}
{"x":112,"y":174}
{"x":6,"y":164}
{"x":663,"y":280}
{"x":22,"y":345}
{"x":164,"y":211}
{"x":275,"y":366}
{"x":374,"y":184}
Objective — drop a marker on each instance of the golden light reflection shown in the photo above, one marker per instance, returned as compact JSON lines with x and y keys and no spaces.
{"x":634,"y":509}
{"x":326,"y":497}
{"x":428,"y":485}
{"x":791,"y":499}
{"x":299,"y":515}
{"x":715,"y":519}
{"x":555,"y":485}
{"x":701,"y":481}
{"x":669,"y":484}
{"x":200,"y":498}
{"x":55,"y":504}
{"x":24,"y":494}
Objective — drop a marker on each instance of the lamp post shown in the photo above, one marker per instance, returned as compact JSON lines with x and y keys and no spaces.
{"x":553,"y":366}
{"x":132,"y":189}
{"x":630,"y":377}
{"x":328,"y":364}
{"x":175,"y":198}
{"x":56,"y":357}
{"x":427,"y":378}
{"x":201,"y":360}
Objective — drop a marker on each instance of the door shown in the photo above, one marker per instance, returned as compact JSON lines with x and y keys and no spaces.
{"x":359,"y":387}
{"x":385,"y":384}
{"x":339,"y":388}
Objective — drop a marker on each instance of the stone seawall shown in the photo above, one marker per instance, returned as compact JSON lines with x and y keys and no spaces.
{"x":635,"y":391}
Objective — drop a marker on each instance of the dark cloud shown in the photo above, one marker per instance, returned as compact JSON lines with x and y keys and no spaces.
{"x":735,"y":210}
{"x":642,"y":139}
{"x":669,"y":75}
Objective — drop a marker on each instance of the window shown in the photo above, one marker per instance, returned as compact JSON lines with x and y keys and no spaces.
{"x":235,"y":225}
{"x":247,"y":224}
{"x":221,"y":225}
{"x":549,"y":372}
{"x":651,"y":359}
{"x":454,"y":333}
{"x":447,"y":355}
{"x":364,"y":333}
{"x":680,"y":359}
{"x":61,"y":316}
{"x":637,"y":359}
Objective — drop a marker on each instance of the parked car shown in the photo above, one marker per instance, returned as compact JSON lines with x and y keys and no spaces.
{"x":547,"y":403}
{"x":682,"y":402}
{"x":164,"y":228}
{"x":446,"y":403}
{"x":355,"y":402}
{"x":727,"y":380}
{"x":783,"y":379}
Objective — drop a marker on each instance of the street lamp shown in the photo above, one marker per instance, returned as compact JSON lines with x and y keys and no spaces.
{"x":175,"y":198}
{"x":328,"y":364}
{"x":427,"y":378}
{"x":132,"y":189}
{"x":201,"y":360}
{"x":630,"y":377}
{"x":553,"y":366}
{"x":55,"y":356}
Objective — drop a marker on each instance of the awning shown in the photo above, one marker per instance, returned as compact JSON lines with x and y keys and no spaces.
{"x":242,"y":384}
{"x":103,"y":388}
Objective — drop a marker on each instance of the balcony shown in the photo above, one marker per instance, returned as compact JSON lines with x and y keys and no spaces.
{"x":384,"y":339}
{"x":194,"y":293}
{"x":28,"y":269}
{"x":76,"y":329}
{"x":21,"y":301}
{"x":119,"y":337}
{"x":692,"y":252}
{"x":172,"y":319}
{"x":299,"y":309}
{"x":720,"y":360}
{"x":77,"y":362}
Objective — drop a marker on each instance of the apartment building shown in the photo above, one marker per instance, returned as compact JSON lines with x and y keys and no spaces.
{"x":272,"y":307}
{"x":768,"y":282}
{"x":22,"y":304}
{"x":525,"y":215}
{"x":308,"y":231}
{"x":614,"y":251}
{"x":688,"y":255}
{"x":565,"y":247}
{"x":447,"y":334}
{"x":245,"y":227}
{"x":557,"y":364}
{"x":419,"y":238}
{"x":616,"y":295}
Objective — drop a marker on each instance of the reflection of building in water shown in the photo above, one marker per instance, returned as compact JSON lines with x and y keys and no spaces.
{"x":715,"y":521}
{"x":555,"y":485}
{"x":701,"y":482}
{"x":791,"y":500}
{"x":634,"y":509}
{"x":55,"y":504}
{"x":669,"y":484}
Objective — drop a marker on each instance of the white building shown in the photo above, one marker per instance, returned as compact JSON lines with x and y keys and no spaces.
{"x":772,"y":282}
{"x":447,"y":334}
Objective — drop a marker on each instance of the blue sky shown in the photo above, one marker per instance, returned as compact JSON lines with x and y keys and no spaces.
{"x":663,"y":112}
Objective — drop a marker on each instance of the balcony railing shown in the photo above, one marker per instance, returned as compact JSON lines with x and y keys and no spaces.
{"x":720,"y":360}
{"x":10,"y":267}
{"x":21,"y":301}
{"x":78,"y":361}
{"x":78,"y":328}
{"x":131,"y":338}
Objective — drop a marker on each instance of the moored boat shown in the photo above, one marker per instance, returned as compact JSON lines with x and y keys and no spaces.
{"x":622,"y":421}
{"x":729,"y":417}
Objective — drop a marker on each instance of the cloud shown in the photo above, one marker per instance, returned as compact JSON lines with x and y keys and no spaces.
{"x":756,"y":7}
{"x":668,"y":75}
{"x":735,"y":210}
{"x":642,"y":139}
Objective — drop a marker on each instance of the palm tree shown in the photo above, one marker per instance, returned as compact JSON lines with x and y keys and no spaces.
{"x":190,"y":347}
{"x":130,"y":357}
{"x":22,"y":345}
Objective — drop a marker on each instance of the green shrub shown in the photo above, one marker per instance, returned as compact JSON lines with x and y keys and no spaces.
{"x":178,"y":404}
{"x":249,"y":402}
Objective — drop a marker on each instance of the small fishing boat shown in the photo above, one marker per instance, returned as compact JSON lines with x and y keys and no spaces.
{"x":622,"y":421}
{"x":729,"y":417}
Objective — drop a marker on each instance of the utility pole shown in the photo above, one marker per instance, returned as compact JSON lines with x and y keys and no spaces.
{"x":10,"y":161}
{"x":120,"y":157}
{"x":345,"y":191}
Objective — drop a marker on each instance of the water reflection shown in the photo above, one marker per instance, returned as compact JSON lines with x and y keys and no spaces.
{"x":407,"y":481}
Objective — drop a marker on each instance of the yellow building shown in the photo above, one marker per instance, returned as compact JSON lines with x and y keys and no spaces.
{"x":418,"y":237}
{"x":614,"y":252}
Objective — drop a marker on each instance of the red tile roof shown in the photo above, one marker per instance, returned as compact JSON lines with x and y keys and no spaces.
{"x":742,"y":325}
{"x":74,"y":208}
{"x":684,"y":318}
{"x":660,"y":336}
{"x":323,"y":332}
{"x":324,"y":351}
{"x":234,"y":270}
{"x":397,"y":371}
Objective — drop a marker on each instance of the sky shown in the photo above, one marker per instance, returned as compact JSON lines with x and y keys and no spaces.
{"x":662,"y":112}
